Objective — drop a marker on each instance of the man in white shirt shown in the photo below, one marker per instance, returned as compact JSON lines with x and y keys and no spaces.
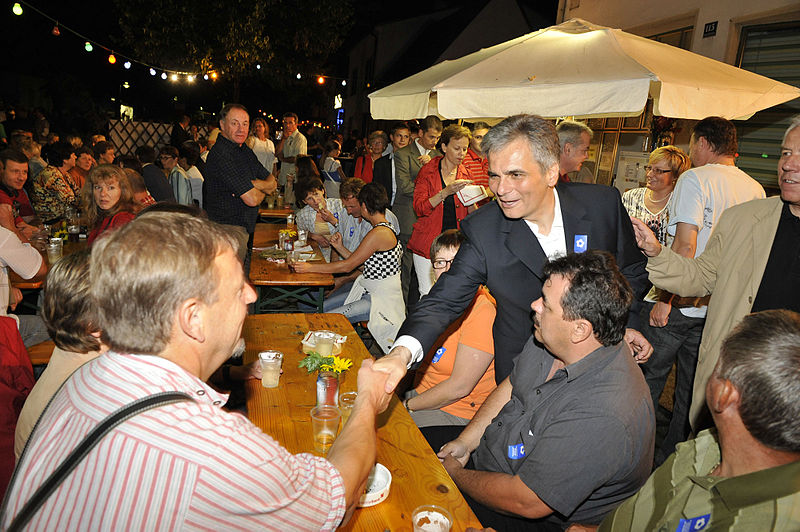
{"x":26,"y":262}
{"x":292,"y":144}
{"x":674,"y":325}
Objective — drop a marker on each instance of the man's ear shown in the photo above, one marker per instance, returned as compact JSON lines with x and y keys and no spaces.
{"x":581,"y":330}
{"x":191,"y":319}
{"x":551,"y":178}
{"x":723,"y":396}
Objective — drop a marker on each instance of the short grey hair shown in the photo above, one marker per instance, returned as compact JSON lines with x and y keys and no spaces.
{"x":569,"y":131}
{"x":540,"y":134}
{"x":138,"y":285}
{"x":795,"y":122}
{"x":761,"y":358}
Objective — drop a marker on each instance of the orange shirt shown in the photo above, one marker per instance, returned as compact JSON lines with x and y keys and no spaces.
{"x":473,"y":329}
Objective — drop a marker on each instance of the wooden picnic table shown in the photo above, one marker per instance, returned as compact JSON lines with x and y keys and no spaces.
{"x":283,"y":412}
{"x":274,"y":281}
{"x":69,"y":248}
{"x":276,"y":212}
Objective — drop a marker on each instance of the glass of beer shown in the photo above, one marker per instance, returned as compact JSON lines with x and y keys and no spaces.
{"x":346,"y":402}
{"x":270,"y":368}
{"x":324,"y":426}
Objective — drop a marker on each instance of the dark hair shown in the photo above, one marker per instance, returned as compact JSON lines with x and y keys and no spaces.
{"x":539,"y":133}
{"x":101,"y":147}
{"x":350,"y":188}
{"x":55,"y":154}
{"x":305,"y":169}
{"x":136,"y":180}
{"x":761,"y":358}
{"x":146,"y":154}
{"x":719,"y":133}
{"x":431,"y":122}
{"x":450,"y":239}
{"x":10,"y":154}
{"x":597,"y":292}
{"x":83,"y":150}
{"x":67,"y":308}
{"x":130,"y":162}
{"x":227,"y":108}
{"x":178,"y":208}
{"x":479,"y":125}
{"x":397,"y":126}
{"x":305,"y":187}
{"x":373,"y":196}
{"x":190,"y":151}
{"x":455,"y":132}
{"x":172,"y":151}
{"x":291,"y":115}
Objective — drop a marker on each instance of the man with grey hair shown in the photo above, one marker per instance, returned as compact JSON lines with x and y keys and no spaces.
{"x":171,"y":314}
{"x":510,"y":240}
{"x":573,"y":138}
{"x":748,"y":264}
{"x":743,"y":474}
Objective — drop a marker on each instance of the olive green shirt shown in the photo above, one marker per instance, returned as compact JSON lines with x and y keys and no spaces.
{"x":682,"y":496}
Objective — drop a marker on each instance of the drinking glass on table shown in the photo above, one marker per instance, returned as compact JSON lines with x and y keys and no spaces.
{"x":270,"y":368}
{"x":302,"y":237}
{"x":346,"y":403}
{"x":324,"y":426}
{"x":55,"y":250}
{"x":323,"y":342}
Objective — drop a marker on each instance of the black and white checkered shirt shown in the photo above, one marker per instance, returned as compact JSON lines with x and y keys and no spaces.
{"x":383,"y":264}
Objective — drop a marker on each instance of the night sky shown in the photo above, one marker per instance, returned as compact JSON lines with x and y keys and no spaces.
{"x":77,"y":87}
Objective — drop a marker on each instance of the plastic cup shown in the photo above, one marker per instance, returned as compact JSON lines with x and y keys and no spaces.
{"x":55,"y":250}
{"x":324,"y":342}
{"x":346,"y":403}
{"x":270,"y":368}
{"x":302,"y":237}
{"x":431,"y":518}
{"x":292,"y":258}
{"x":324,"y":426}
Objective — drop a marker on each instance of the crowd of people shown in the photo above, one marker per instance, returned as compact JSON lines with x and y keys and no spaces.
{"x":541,"y":322}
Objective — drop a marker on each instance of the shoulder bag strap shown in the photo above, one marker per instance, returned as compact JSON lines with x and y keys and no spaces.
{"x":83,"y":448}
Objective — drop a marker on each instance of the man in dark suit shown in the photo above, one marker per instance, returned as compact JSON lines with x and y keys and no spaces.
{"x":384,"y":170}
{"x":407,"y":163}
{"x":154,"y":178}
{"x":510,"y":240}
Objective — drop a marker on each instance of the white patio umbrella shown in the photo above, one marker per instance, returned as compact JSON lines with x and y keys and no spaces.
{"x":579,"y":69}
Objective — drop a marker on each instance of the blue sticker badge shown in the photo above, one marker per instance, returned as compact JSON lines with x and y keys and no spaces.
{"x":352,"y":230}
{"x":438,"y":354}
{"x":694,"y":524}
{"x":515,"y":452}
{"x":336,"y":215}
{"x":581,"y":242}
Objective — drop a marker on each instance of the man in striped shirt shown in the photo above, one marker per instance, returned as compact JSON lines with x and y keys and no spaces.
{"x":172,"y":313}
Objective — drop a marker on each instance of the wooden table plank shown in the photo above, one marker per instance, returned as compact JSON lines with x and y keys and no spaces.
{"x":283,"y":413}
{"x":275,"y":212}
{"x":267,"y":273}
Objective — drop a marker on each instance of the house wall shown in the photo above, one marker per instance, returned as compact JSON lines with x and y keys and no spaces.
{"x":648,"y":18}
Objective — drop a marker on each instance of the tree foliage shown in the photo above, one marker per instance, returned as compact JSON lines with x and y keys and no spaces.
{"x":232,"y":37}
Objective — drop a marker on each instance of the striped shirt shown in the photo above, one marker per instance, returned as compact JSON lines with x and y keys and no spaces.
{"x":187,"y":465}
{"x":478,"y":168}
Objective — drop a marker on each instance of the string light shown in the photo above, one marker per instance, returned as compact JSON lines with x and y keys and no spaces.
{"x":55,"y":31}
{"x":258,"y":67}
{"x":321,"y":80}
{"x":205,"y":77}
{"x":344,"y":83}
{"x":174,"y":77}
{"x":299,"y":76}
{"x":152,"y":71}
{"x":17,"y":9}
{"x":127,"y":65}
{"x":163,"y":75}
{"x":190,"y":78}
{"x":88,"y":46}
{"x":112,"y":58}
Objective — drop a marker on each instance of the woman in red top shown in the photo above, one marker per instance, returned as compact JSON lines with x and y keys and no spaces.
{"x":435,"y":201}
{"x":107,"y":200}
{"x":376,"y":143}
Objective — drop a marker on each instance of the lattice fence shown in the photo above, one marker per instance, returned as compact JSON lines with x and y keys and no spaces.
{"x":127,"y":135}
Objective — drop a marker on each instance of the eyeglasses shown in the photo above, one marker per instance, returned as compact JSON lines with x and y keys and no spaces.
{"x":162,"y":157}
{"x":441,"y":264}
{"x":658,"y":171}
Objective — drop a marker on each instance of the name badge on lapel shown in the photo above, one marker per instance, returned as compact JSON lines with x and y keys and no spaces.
{"x":581,"y":243}
{"x":692,"y":525}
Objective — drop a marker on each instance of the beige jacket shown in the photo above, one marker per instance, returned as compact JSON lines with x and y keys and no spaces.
{"x":730,"y":269}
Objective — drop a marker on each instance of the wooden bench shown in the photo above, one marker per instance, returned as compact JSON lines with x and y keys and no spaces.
{"x":40,"y":353}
